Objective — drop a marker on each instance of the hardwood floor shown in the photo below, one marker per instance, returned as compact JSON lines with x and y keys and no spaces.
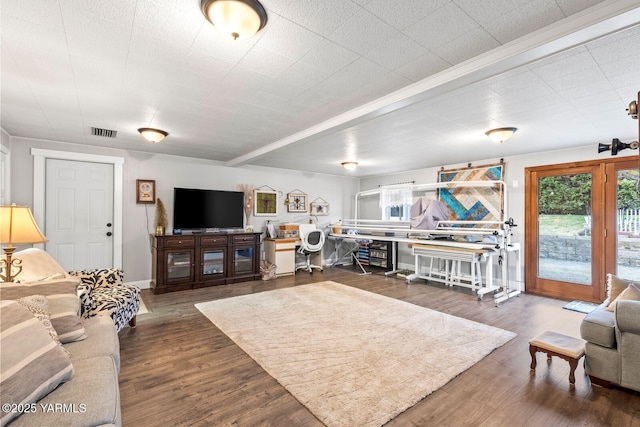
{"x":178,"y":369}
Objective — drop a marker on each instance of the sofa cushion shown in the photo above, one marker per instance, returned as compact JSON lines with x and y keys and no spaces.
{"x":32,"y":364}
{"x":13,"y":291}
{"x":65,"y":317}
{"x":615,"y":286}
{"x":92,"y":398}
{"x":38,"y":305}
{"x":102,"y":340}
{"x":598,"y":327}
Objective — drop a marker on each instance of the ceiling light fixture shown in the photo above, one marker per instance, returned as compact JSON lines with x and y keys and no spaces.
{"x":500,"y":134}
{"x":152,"y":135}
{"x":235,"y":19}
{"x":349,"y":165}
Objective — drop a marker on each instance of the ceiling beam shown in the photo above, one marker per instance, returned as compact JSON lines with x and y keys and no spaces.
{"x":590,"y":24}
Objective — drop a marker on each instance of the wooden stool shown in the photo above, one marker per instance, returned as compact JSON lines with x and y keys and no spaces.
{"x":554,"y":344}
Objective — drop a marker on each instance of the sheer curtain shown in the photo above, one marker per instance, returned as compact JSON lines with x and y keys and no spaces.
{"x":395,"y":196}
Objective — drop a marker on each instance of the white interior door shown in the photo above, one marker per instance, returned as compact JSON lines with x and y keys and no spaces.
{"x":79,"y":213}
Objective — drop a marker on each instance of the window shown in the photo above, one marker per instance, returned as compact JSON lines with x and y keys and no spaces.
{"x":395,"y":202}
{"x":396,"y":213}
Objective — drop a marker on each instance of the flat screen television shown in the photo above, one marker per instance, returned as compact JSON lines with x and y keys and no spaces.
{"x":195,"y":209}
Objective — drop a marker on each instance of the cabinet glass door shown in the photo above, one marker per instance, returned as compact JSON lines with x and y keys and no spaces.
{"x":243,"y":260}
{"x":213,"y":263}
{"x":179,"y":265}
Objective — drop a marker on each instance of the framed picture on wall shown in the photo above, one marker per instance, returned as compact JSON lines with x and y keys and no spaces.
{"x":481,"y":203}
{"x":297,"y":202}
{"x":319,"y":208}
{"x":145,"y":191}
{"x":265,"y":203}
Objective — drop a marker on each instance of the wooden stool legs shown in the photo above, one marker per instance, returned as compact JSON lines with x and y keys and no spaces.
{"x":573,"y":362}
{"x":533,"y":349}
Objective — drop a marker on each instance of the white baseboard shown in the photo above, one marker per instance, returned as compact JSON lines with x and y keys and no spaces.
{"x":142,"y":284}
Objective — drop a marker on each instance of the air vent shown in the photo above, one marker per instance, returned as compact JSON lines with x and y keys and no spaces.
{"x":107,"y":133}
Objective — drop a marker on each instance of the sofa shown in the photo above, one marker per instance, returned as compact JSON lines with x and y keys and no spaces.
{"x":68,"y":380}
{"x":612,"y":335}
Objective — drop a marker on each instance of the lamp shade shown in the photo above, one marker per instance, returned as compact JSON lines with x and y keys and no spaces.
{"x":235,"y":19}
{"x":17,"y":226}
{"x":500,"y":134}
{"x":152,"y":135}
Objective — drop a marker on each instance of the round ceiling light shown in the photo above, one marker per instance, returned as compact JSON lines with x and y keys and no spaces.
{"x":152,"y":135}
{"x":349,"y":165}
{"x":235,"y":19}
{"x":500,"y":134}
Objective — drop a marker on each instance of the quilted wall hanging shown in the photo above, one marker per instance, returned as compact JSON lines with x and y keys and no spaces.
{"x":473,"y":203}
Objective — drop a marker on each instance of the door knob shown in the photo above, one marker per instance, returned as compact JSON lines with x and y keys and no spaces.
{"x":108,"y":233}
{"x":108,"y":224}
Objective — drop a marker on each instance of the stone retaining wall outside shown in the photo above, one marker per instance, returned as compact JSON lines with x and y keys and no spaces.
{"x":578,"y":248}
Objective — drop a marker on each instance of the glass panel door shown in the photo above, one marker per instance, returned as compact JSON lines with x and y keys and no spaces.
{"x":212,"y":263}
{"x":179,"y":266}
{"x":627,"y":223}
{"x":243,"y":260}
{"x":564,"y":231}
{"x":564,"y":228}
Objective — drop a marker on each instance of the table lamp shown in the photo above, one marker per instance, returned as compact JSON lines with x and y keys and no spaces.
{"x":16,"y":226}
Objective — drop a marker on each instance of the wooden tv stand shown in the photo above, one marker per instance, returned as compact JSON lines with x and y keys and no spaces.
{"x":189,"y":261}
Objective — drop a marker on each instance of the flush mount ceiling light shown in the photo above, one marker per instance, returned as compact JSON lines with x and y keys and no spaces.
{"x":152,"y":135}
{"x":235,"y":19}
{"x":349,"y":165}
{"x":500,"y":134}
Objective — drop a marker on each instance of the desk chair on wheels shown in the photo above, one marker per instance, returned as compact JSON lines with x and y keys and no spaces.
{"x":312,"y":241}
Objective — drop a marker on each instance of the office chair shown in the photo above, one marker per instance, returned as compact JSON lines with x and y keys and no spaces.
{"x":311,"y":242}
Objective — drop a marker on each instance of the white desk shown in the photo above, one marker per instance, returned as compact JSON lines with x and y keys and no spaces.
{"x":282,"y":253}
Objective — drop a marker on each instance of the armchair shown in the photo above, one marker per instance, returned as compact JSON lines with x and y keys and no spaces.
{"x":101,"y":291}
{"x":612,"y":353}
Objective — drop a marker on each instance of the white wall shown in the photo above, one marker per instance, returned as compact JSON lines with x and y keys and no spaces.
{"x":5,"y":167}
{"x":174,"y":171}
{"x":514,"y":174}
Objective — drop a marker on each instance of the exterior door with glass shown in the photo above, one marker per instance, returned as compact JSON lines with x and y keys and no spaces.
{"x":565,"y":232}
{"x":582,"y":221}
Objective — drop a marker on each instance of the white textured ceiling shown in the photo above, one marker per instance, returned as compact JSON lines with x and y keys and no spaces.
{"x":393,"y":84}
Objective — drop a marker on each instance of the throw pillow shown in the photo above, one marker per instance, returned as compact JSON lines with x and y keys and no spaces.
{"x":630,"y":293}
{"x":65,"y":317}
{"x":38,"y":305}
{"x":32,"y":364}
{"x":615,"y":285}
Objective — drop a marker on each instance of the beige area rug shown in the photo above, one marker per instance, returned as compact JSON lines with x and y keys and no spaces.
{"x":354,"y":358}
